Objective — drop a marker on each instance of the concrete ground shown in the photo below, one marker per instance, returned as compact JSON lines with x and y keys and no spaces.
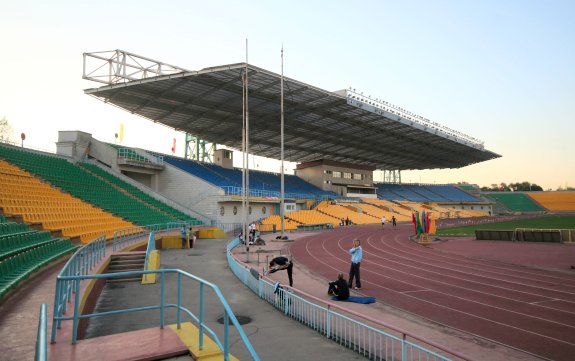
{"x":273,"y":335}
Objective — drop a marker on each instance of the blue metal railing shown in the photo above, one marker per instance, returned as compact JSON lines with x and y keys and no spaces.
{"x":127,"y":236}
{"x":151,"y":247}
{"x":238,"y":191}
{"x":199,"y":320}
{"x":87,"y":257}
{"x":81,"y":262}
{"x":367,"y":340}
{"x":42,"y":336}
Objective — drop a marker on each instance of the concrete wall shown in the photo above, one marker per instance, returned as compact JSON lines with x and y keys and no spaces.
{"x":190,"y":191}
{"x":145,"y":179}
{"x":73,"y":143}
{"x":471,"y":207}
{"x":104,"y":153}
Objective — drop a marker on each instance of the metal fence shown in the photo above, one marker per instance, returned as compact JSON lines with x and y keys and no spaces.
{"x":77,"y":269}
{"x":238,"y":191}
{"x":128,"y":236}
{"x":338,"y":324}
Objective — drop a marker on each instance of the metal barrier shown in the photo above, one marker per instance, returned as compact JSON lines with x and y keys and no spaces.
{"x":127,"y":236}
{"x":199,"y":320}
{"x":238,"y":191}
{"x":88,"y":256}
{"x":81,"y":262}
{"x":42,"y":336}
{"x":329,"y":320}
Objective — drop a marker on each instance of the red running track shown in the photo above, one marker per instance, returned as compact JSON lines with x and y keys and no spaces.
{"x":525,"y":308}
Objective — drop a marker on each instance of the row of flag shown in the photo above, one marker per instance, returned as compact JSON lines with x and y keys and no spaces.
{"x":423,"y":222}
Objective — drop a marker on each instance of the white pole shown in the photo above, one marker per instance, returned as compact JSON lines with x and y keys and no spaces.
{"x":247,"y":147}
{"x":244,"y":234}
{"x":282,"y":203}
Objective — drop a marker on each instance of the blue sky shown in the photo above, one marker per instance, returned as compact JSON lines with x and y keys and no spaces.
{"x":500,"y":71}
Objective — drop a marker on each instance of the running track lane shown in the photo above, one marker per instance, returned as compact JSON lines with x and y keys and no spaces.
{"x":526,"y":308}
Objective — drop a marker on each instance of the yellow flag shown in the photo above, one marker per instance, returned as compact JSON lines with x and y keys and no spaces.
{"x":121,"y":132}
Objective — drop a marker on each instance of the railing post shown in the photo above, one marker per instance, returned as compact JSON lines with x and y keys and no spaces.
{"x":56,"y":312}
{"x":41,"y":346}
{"x":226,"y":336}
{"x":403,"y":348}
{"x":328,"y":322}
{"x":76,"y":311}
{"x":179,"y":311}
{"x":285,"y":302}
{"x":201,"y":326}
{"x":162,"y":301}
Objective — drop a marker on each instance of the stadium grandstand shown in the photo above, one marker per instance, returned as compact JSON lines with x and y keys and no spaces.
{"x":110,"y":203}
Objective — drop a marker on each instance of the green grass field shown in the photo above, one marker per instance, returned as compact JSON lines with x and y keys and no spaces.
{"x":553,"y":222}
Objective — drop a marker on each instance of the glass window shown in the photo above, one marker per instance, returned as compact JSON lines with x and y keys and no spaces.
{"x":336,"y":174}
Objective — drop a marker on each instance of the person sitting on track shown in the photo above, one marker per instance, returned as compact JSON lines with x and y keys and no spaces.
{"x":339,"y":288}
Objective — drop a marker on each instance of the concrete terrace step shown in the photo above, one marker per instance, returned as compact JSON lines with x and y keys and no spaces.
{"x":127,"y":262}
{"x":147,"y":344}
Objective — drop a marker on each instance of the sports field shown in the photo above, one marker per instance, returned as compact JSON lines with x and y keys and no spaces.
{"x":552,"y":222}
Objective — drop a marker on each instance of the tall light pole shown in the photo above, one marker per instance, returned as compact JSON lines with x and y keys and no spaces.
{"x":282,"y":202}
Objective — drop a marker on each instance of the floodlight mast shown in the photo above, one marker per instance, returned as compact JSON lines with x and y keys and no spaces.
{"x":282,"y":202}
{"x":246,"y":192}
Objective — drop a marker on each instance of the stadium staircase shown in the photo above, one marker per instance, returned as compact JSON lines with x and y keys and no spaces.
{"x":126,"y":262}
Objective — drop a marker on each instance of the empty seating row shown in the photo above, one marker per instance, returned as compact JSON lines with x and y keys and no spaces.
{"x":17,"y":268}
{"x":136,"y":192}
{"x":423,"y":193}
{"x":276,"y":221}
{"x":72,"y":216}
{"x":555,"y":201}
{"x":261,"y":181}
{"x":84,"y":185}
{"x":19,"y":242}
{"x":341,"y":212}
{"x":312,"y":217}
{"x":516,"y":201}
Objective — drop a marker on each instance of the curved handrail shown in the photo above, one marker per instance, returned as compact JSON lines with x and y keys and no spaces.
{"x":228,"y":313}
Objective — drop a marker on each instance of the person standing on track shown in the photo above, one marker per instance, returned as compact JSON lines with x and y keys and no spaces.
{"x":356,"y":256}
{"x":394,"y":221}
{"x":383,"y":222}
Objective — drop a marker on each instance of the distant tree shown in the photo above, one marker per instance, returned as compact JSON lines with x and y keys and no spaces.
{"x":512,"y":187}
{"x":5,"y":130}
{"x":525,"y":187}
{"x":566,"y":188}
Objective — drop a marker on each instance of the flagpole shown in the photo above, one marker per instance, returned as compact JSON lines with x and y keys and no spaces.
{"x":282,"y":203}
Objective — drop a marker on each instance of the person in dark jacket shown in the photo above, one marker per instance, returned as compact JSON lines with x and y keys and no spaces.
{"x":280,"y":263}
{"x":339,"y":288}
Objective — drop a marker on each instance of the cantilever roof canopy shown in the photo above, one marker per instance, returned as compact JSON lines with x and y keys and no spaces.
{"x":318,"y":124}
